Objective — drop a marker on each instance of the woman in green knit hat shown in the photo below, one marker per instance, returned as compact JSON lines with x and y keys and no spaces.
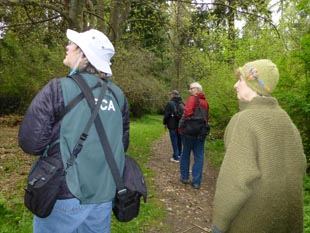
{"x":260,"y":183}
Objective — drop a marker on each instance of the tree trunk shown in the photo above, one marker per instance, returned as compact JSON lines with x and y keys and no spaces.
{"x":100,"y":11}
{"x":76,"y":15}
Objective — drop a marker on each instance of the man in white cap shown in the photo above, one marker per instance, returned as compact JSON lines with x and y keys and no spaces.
{"x":260,"y":184}
{"x":194,"y":141}
{"x":84,"y":198}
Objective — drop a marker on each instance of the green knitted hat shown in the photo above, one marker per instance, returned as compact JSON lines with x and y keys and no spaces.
{"x":261,"y":75}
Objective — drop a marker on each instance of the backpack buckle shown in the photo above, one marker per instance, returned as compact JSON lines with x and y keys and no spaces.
{"x":122,"y":192}
{"x":77,"y":149}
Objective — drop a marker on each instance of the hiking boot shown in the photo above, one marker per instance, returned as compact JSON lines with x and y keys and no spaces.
{"x":195,"y":186}
{"x":174,"y":160}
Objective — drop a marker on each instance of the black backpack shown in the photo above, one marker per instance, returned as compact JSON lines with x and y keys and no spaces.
{"x":178,"y":109}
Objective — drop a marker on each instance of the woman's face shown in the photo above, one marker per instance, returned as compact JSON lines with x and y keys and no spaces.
{"x":73,"y":55}
{"x":244,"y":92}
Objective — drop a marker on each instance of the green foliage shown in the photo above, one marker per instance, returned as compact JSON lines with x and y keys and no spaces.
{"x":215,"y":151}
{"x":293,"y":94}
{"x":221,"y":95}
{"x":146,"y":26}
{"x":133,"y":73}
{"x":28,"y":65}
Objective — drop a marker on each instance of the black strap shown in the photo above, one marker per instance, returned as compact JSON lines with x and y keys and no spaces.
{"x":200,"y":109}
{"x":73,"y":103}
{"x":94,"y":113}
{"x":77,"y":99}
{"x":102,"y":135}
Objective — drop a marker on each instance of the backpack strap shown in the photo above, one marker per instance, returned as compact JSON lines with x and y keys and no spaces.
{"x":200,"y":109}
{"x":102,"y":136}
{"x":77,"y":99}
{"x":94,"y":113}
{"x":73,"y":103}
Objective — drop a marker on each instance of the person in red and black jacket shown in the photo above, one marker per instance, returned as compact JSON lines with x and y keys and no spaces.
{"x":193,"y":143}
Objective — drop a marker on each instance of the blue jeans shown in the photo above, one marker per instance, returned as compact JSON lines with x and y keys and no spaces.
{"x":176,"y":143}
{"x":69,"y":216}
{"x":195,"y":144}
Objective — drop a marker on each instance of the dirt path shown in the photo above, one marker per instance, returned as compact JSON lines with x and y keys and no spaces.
{"x":189,"y":210}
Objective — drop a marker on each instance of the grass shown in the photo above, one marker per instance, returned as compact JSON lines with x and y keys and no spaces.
{"x":215,"y":151}
{"x":14,"y":167}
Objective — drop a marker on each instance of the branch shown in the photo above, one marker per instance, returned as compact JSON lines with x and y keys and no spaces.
{"x":29,"y":23}
{"x":94,"y":14}
{"x":28,"y":16}
{"x":235,"y":9}
{"x":99,"y":17}
{"x":24,"y":3}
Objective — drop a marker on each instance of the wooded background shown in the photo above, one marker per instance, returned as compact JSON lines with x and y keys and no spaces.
{"x":162,"y":45}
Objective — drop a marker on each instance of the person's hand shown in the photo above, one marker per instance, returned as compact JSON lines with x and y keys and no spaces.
{"x":165,"y":127}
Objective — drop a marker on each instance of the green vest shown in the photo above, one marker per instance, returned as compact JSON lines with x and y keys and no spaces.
{"x":90,"y":179}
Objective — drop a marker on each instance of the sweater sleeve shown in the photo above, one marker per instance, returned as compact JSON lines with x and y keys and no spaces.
{"x":238,"y":174}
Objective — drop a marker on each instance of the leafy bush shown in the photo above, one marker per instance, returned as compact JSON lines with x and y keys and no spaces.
{"x":133,"y":73}
{"x":28,"y":65}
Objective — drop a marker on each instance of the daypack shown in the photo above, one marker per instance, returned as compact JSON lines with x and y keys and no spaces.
{"x":178,"y":109}
{"x":197,"y":125}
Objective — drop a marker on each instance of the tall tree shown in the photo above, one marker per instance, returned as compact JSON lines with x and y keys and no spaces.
{"x":75,"y":14}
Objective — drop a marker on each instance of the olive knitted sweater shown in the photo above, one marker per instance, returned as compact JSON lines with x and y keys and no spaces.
{"x":260,"y":184}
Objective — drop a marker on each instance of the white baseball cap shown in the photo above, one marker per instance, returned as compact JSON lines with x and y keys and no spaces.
{"x":96,"y":46}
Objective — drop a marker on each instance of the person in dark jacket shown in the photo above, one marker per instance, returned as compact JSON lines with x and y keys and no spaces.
{"x":87,"y":207}
{"x":171,"y":121}
{"x":190,"y":142}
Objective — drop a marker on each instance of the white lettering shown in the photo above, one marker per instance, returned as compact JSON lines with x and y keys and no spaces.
{"x":105,"y":105}
{"x":111,"y":106}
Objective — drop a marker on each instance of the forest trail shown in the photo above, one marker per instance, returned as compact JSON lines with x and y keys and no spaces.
{"x":189,"y":210}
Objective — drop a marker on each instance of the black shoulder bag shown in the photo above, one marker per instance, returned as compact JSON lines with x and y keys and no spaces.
{"x":196,"y":125}
{"x":129,"y":187}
